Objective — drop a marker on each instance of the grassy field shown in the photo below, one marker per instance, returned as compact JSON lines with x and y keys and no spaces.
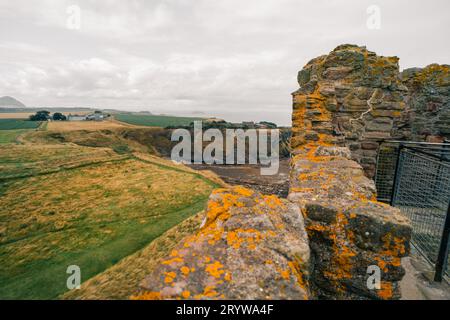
{"x":67,"y":205}
{"x":154,"y":120}
{"x":14,"y":124}
{"x":62,"y":126}
{"x":10,"y":136}
{"x":18,"y":161}
{"x":122,"y":280}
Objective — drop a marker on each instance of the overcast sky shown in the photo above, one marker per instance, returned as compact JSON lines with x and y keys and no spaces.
{"x":235,"y":59}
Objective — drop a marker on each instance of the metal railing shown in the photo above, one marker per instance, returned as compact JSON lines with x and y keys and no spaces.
{"x":415,"y":177}
{"x":387,"y":157}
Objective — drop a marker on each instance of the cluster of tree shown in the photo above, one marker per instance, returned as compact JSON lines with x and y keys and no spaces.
{"x":45,"y":115}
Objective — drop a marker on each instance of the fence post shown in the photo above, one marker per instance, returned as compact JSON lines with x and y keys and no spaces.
{"x":443,"y":249}
{"x":396,"y":174}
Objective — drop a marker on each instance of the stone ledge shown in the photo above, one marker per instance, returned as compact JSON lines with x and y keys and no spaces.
{"x":250,"y":246}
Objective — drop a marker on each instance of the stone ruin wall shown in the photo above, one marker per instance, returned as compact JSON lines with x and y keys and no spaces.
{"x":427,"y":111}
{"x":348,"y":229}
{"x":370,"y":101}
{"x":320,"y":242}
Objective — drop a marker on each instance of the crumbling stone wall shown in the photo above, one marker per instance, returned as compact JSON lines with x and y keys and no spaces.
{"x":364,"y":96}
{"x":250,"y":246}
{"x":348,"y":229}
{"x":370,"y":101}
{"x":427,"y":111}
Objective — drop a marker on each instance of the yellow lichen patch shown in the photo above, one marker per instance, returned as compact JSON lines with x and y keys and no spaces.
{"x":343,"y":253}
{"x":174,"y":260}
{"x":185,"y":270}
{"x":215,"y":269}
{"x":215,"y":234}
{"x":273,"y":202}
{"x":385,"y":291}
{"x":210,"y":292}
{"x":227,"y":277}
{"x":219,"y":209}
{"x":170,"y":276}
{"x":297,"y":272}
{"x":235,"y":238}
{"x":151,"y":295}
{"x":243,"y":191}
{"x":316,"y":227}
{"x":393,"y":249}
{"x":185,"y":294}
{"x":285,"y":274}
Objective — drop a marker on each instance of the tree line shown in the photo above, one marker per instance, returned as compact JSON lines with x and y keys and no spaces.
{"x":45,"y":115}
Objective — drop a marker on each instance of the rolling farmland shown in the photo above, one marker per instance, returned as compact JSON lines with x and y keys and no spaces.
{"x":14,"y":124}
{"x":155,"y":120}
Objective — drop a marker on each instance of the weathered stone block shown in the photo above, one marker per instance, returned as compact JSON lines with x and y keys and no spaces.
{"x":250,"y":246}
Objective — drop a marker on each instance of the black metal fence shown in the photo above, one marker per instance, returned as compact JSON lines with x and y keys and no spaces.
{"x":415,"y":177}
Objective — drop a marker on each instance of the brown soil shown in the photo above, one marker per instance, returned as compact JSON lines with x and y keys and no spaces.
{"x":250,"y":177}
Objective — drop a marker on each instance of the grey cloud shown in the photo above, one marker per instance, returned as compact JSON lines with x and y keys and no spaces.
{"x":230,"y":58}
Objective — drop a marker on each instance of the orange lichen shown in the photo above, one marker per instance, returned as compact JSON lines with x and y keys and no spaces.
{"x":185,"y":270}
{"x":243,"y":191}
{"x":285,"y":274}
{"x":171,"y":261}
{"x":170,"y":276}
{"x":273,"y":202}
{"x":227,"y":276}
{"x":296,"y":270}
{"x":386,"y":291}
{"x":215,"y":269}
{"x":151,"y":295}
{"x":185,"y":294}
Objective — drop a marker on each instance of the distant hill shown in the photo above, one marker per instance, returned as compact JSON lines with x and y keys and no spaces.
{"x":10,"y":102}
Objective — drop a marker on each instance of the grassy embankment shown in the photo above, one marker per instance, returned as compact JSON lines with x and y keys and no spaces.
{"x":64,"y":205}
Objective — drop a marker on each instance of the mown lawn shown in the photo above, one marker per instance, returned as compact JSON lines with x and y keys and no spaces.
{"x":91,"y":216}
{"x":154,"y":120}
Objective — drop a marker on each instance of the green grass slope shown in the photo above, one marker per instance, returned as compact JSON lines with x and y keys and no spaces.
{"x":154,"y":120}
{"x":92,"y":215}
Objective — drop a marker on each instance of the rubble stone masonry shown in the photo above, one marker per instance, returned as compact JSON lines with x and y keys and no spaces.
{"x":347,"y":99}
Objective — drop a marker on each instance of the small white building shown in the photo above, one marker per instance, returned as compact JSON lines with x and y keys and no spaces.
{"x":76,"y":117}
{"x":96,"y":116}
